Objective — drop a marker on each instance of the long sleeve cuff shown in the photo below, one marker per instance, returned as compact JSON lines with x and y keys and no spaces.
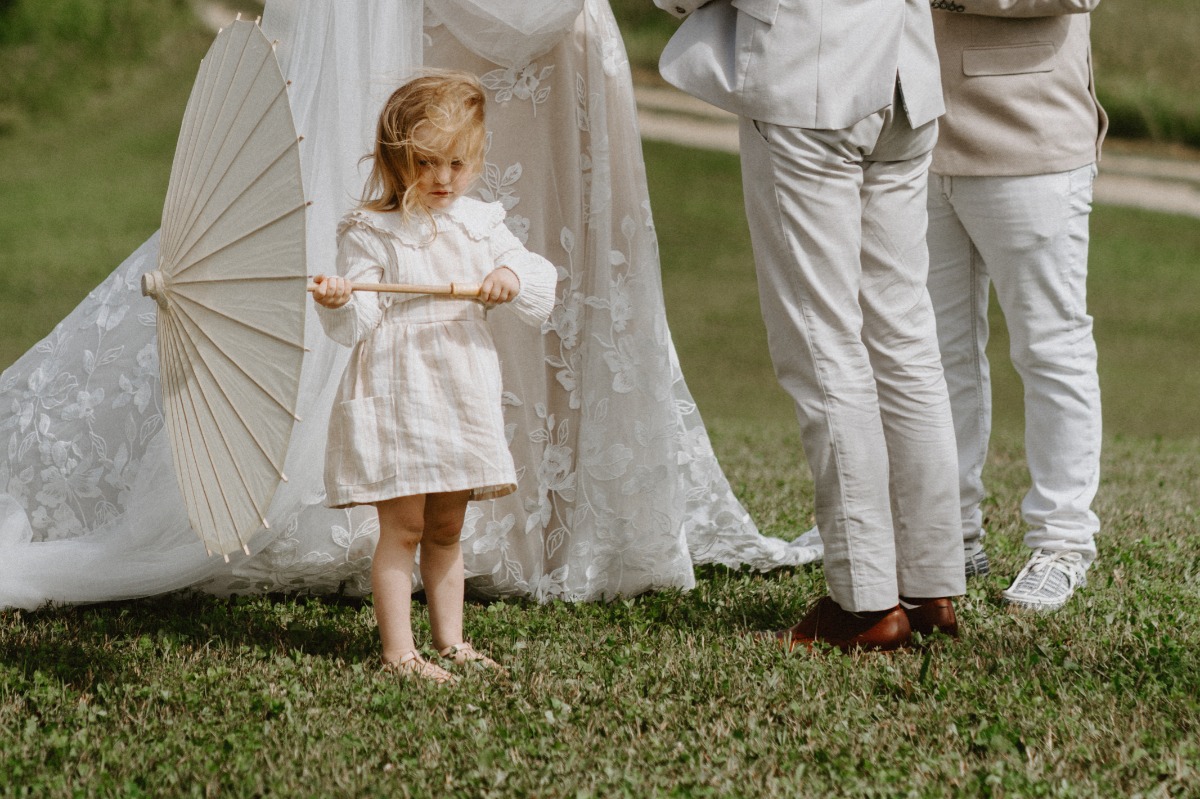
{"x":539,"y":279}
{"x":349,"y":324}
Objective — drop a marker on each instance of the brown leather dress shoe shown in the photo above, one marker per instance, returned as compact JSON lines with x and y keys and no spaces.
{"x":826,"y":623}
{"x":930,"y":615}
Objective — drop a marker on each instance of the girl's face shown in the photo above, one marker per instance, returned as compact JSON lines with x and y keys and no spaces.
{"x":443,"y":178}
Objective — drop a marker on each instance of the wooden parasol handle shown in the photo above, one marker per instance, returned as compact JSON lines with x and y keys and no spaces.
{"x":464,"y":290}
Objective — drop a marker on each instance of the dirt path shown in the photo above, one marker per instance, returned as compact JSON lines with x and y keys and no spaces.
{"x":1155,"y":182}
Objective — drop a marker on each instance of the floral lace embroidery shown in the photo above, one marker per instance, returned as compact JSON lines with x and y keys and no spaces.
{"x":524,"y":83}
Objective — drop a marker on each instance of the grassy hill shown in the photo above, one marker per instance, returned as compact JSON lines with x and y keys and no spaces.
{"x":57,"y":54}
{"x":87,"y":149}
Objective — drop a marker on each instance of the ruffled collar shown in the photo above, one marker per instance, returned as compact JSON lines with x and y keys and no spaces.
{"x":474,"y":217}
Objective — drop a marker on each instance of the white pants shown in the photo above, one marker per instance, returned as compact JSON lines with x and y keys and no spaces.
{"x":837,"y":220}
{"x":1028,"y":236}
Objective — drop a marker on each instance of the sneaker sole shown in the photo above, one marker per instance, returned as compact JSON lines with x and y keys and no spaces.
{"x":1034,"y":604}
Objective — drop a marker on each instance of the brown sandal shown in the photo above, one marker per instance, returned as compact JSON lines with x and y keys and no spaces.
{"x":411,"y":664}
{"x":464,"y":654}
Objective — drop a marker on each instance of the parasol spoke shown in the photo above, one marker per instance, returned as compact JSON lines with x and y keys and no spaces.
{"x":282,"y":217}
{"x":212,"y":189}
{"x":184,"y":449}
{"x":196,"y":358}
{"x":208,"y":83}
{"x":220,"y":119}
{"x":184,"y":153}
{"x":201,"y":402}
{"x":181,"y":297}
{"x":226,"y":354}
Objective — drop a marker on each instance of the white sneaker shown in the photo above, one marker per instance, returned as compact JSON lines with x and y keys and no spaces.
{"x":1047,"y":581}
{"x":975,"y":560}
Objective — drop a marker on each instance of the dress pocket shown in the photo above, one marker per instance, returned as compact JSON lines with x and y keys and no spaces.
{"x":1018,"y":59}
{"x":362,"y":440}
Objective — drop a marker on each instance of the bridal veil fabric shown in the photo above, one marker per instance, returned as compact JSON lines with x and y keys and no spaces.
{"x":619,"y":491}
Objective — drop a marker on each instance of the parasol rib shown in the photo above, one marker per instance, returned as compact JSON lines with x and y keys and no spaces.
{"x":196,"y":355}
{"x":195,"y":450}
{"x":170,"y":337}
{"x":203,"y":202}
{"x":282,"y":217}
{"x":249,"y":494}
{"x":240,"y":367}
{"x":213,"y":149}
{"x":180,"y":297}
{"x":214,"y":71}
{"x":193,"y":117}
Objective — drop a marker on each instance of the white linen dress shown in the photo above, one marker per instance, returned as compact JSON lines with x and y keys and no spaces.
{"x":419,"y":406}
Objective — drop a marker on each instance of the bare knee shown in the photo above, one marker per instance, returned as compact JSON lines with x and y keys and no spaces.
{"x":401,"y":522}
{"x":442,"y":532}
{"x":405,"y":537}
{"x":444,"y":515}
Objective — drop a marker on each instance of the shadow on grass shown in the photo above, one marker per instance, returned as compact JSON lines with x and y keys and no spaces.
{"x":733,"y":602}
{"x":89,"y":644}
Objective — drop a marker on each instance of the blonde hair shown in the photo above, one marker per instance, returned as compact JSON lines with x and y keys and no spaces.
{"x":447,"y":110}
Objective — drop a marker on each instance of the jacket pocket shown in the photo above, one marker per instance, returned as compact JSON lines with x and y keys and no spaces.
{"x":762,"y":10}
{"x":1018,"y":59}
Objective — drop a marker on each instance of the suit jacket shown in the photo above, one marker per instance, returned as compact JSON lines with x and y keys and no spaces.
{"x":1017,"y":76}
{"x":822,"y":64}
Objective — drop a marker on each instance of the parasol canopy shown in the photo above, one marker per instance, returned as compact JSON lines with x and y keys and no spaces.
{"x":230,"y":287}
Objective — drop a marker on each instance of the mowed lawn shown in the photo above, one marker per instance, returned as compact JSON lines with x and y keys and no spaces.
{"x":658,"y":695}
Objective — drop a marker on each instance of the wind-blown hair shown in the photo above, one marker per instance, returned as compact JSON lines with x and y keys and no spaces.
{"x":447,"y":110}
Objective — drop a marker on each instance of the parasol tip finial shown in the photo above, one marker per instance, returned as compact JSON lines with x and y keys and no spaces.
{"x":154,"y":285}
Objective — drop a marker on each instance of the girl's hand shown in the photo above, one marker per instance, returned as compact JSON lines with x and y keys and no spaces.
{"x":500,"y":286}
{"x":333,"y":291}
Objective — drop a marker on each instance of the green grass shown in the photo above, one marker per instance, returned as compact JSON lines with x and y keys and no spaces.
{"x":57,"y":53}
{"x":655,"y":696}
{"x":1148,"y":68}
{"x":659,"y":695}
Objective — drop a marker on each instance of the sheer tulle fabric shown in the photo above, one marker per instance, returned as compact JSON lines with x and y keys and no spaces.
{"x":619,"y":491}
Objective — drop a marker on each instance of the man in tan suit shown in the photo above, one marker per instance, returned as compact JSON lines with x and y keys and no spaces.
{"x":1009,"y":200}
{"x":838,"y":104}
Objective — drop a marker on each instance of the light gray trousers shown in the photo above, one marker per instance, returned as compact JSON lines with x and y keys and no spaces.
{"x":1027,"y":236}
{"x":837,"y":220}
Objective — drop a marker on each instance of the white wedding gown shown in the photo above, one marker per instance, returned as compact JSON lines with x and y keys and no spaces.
{"x":619,"y":490}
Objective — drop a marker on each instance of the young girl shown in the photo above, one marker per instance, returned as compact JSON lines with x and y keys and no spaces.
{"x":417,"y":429}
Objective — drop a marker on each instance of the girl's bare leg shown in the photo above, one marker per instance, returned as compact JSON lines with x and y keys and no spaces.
{"x":442,"y":565}
{"x":401,"y":523}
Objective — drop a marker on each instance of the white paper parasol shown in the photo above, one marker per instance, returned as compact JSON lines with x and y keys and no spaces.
{"x":230,"y":286}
